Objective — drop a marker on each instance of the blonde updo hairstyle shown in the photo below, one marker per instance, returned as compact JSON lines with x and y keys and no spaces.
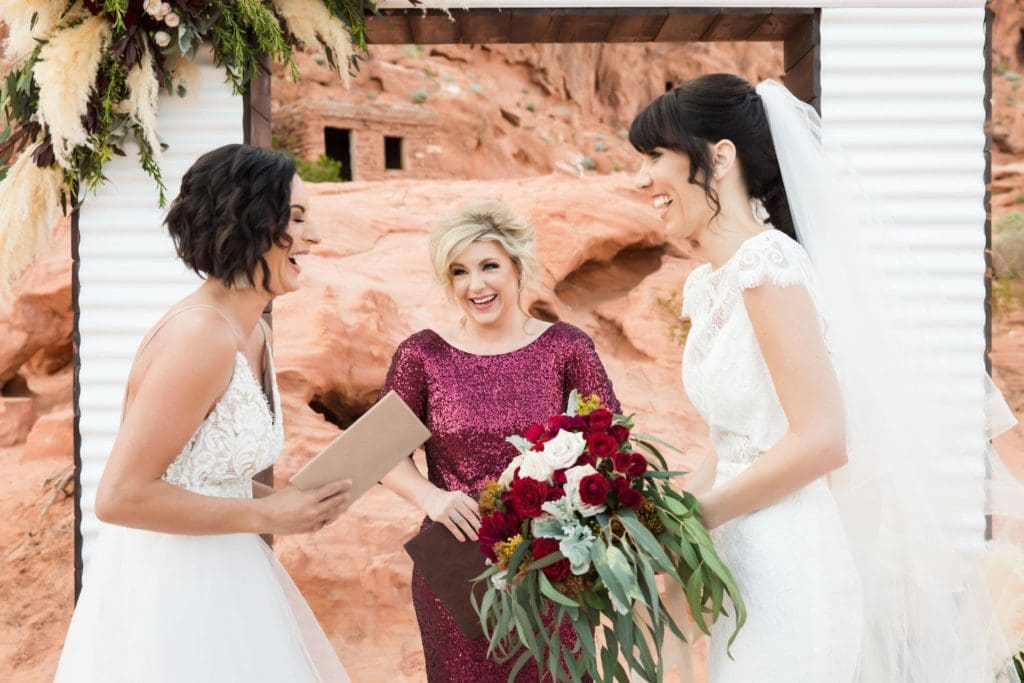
{"x":483,"y":221}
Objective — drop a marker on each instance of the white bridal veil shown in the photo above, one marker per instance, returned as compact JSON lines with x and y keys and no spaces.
{"x":937,"y":608}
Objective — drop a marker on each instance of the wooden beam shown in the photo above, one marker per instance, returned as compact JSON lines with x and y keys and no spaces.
{"x":256,"y":108}
{"x":390,"y":28}
{"x":434,"y":28}
{"x":636,"y":26}
{"x":484,"y":26}
{"x":800,"y":41}
{"x":803,"y":79}
{"x":686,"y":25}
{"x":586,"y":26}
{"x":256,"y":130}
{"x":781,"y":23}
{"x":734,"y":24}
{"x":534,"y":25}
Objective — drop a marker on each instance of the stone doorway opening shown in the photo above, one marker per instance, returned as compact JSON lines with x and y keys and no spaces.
{"x":338,"y":146}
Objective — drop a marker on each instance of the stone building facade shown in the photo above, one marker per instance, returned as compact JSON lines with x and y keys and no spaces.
{"x":373,"y":142}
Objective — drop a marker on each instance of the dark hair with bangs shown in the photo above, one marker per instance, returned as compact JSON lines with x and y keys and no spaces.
{"x":234,"y":204}
{"x":702,"y":111}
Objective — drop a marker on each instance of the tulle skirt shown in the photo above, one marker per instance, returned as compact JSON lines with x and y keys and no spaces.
{"x":163,"y":607}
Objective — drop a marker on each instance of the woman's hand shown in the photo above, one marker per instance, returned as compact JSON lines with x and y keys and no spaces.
{"x":457,"y":511}
{"x":292,"y":511}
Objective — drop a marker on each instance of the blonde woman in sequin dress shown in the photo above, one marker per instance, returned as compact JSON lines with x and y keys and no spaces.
{"x":474,"y":382}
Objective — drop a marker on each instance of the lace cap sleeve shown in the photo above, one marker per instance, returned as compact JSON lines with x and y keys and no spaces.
{"x":773,"y":258}
{"x":691,"y":290}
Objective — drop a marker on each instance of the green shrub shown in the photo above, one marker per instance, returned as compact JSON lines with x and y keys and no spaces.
{"x":323,"y":170}
{"x":1008,"y":245}
{"x":419,"y":96}
{"x":413,"y":51}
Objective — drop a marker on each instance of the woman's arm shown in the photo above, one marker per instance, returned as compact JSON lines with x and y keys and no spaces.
{"x":785,"y":322}
{"x":586,"y":373}
{"x":457,"y":511}
{"x":172,"y":398}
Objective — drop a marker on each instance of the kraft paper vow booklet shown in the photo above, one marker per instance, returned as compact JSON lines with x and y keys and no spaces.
{"x":368,"y":449}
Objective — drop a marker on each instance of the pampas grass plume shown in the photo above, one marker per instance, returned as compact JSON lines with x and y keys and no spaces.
{"x":311,"y":22}
{"x":143,"y":99}
{"x":65,"y":74}
{"x":29,"y":207}
{"x":22,"y":35}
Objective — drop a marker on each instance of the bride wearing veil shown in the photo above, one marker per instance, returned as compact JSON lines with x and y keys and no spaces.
{"x":831,"y":503}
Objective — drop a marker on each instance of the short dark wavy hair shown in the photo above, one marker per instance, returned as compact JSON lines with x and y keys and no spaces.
{"x":234,"y":204}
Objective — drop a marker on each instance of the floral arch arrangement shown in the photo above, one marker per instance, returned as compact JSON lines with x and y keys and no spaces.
{"x":86,"y":76}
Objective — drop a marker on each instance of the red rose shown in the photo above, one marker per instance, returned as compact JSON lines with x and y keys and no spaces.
{"x":619,"y":433}
{"x":602,"y":445}
{"x":626,"y":494}
{"x":594,"y":489}
{"x":577,"y":423}
{"x":495,"y":527}
{"x":542,"y":547}
{"x":558,"y":477}
{"x":621,"y":461}
{"x":586,"y":459}
{"x":509,"y":502}
{"x":528,"y":495}
{"x":556,"y":492}
{"x":557,"y":423}
{"x":600,"y":420}
{"x":534,"y":432}
{"x":637,"y":464}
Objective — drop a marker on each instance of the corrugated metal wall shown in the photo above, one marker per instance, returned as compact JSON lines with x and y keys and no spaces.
{"x":129,"y":274}
{"x":903,"y":94}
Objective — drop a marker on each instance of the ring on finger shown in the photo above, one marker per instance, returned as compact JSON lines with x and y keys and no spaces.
{"x":455,"y":517}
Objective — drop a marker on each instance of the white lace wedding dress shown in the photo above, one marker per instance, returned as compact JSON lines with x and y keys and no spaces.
{"x":166,"y":608}
{"x":790,"y":560}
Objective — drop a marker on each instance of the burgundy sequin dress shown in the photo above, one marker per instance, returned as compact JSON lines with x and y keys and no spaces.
{"x":471,"y":403}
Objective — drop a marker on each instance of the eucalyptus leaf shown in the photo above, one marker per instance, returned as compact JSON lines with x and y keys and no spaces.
{"x":520,"y":443}
{"x":647,"y":541}
{"x":551,"y":593}
{"x":573,"y":404}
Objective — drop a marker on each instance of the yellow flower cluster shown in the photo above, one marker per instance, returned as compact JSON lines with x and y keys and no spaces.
{"x":489,"y":497}
{"x":572,"y":586}
{"x":648,"y":515}
{"x":589,"y":405}
{"x":505,"y":549}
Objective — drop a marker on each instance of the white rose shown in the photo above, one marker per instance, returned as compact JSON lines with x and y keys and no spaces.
{"x":151,"y":7}
{"x":165,"y":9}
{"x":162,"y":38}
{"x":562,"y":451}
{"x":172,"y":20}
{"x":536,"y":467}
{"x":573,"y":477}
{"x":506,"y":477}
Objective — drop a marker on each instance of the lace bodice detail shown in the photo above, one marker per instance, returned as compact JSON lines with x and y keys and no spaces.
{"x":239,"y":438}
{"x":724,"y":371}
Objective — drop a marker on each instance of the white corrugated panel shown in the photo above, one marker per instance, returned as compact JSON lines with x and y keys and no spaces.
{"x":903,"y":94}
{"x":129,"y":273}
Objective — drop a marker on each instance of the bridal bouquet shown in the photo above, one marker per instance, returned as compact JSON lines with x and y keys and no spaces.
{"x":576,"y":529}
